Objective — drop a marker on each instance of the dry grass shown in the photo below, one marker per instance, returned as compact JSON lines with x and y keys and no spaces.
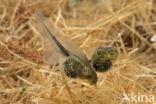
{"x":25,"y":78}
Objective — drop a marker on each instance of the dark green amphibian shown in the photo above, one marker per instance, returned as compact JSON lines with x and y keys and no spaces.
{"x":76,"y":63}
{"x":102,"y":58}
{"x":73,"y":68}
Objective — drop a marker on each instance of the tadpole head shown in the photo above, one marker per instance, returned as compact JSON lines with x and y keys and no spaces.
{"x":74,"y":68}
{"x":102,"y":66}
{"x":102,"y":58}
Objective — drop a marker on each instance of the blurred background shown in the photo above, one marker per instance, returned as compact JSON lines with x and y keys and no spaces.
{"x":129,"y":25}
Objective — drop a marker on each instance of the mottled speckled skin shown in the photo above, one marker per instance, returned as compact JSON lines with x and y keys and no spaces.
{"x":102,"y":58}
{"x":74,"y":68}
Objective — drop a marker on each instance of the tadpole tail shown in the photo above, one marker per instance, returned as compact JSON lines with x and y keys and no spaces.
{"x":40,"y":19}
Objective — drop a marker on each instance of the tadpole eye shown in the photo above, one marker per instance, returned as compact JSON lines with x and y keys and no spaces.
{"x":102,"y":66}
{"x":85,"y":71}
